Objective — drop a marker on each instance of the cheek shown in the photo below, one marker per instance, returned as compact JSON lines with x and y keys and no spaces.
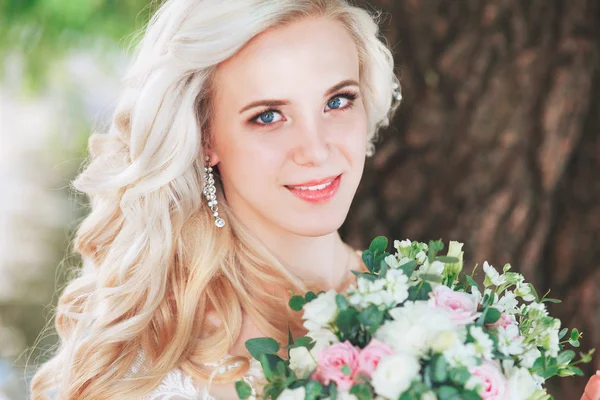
{"x":249,"y":165}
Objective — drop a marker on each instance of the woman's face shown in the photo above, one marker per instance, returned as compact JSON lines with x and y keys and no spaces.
{"x":288,"y":115}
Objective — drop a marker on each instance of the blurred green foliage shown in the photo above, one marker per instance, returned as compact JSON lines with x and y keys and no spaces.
{"x":43,"y":30}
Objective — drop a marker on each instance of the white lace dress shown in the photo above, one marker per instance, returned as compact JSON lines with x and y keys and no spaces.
{"x":178,"y":385}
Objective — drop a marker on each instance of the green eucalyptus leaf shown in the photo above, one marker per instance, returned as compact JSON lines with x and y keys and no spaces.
{"x":346,"y":319}
{"x":361,"y":391}
{"x":471,"y":281}
{"x":565,"y":356}
{"x":259,"y":346}
{"x":447,"y":260}
{"x":243,"y":389}
{"x":446,"y":392}
{"x":296,"y":303}
{"x":303,"y":341}
{"x":367,"y":257}
{"x":310,"y":296}
{"x":549,"y":300}
{"x":439,"y":369}
{"x":419,"y":292}
{"x":379,"y":244}
{"x":408,"y":267}
{"x":574,"y":334}
{"x":562,"y":333}
{"x":492,"y":315}
{"x":341,"y":302}
{"x":431,"y":278}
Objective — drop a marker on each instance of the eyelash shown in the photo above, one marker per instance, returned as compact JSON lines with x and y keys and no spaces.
{"x":350,"y":96}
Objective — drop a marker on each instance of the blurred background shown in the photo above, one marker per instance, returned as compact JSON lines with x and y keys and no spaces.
{"x":496,"y":144}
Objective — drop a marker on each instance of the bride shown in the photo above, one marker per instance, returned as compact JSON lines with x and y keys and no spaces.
{"x":232,"y":159}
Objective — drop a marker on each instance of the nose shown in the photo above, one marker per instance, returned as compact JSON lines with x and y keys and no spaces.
{"x":311,"y":147}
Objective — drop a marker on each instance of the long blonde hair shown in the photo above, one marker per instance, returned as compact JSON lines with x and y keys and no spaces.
{"x":154,"y":262}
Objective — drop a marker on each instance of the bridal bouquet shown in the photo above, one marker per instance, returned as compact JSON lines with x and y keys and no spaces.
{"x":416,"y":327}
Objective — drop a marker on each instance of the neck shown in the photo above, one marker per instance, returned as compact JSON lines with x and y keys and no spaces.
{"x":322,"y":260}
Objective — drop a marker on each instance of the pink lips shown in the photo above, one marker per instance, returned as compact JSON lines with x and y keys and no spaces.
{"x":317,"y":196}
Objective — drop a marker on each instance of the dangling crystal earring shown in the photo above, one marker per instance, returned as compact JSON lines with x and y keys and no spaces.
{"x":210,"y":192}
{"x":396,"y":91}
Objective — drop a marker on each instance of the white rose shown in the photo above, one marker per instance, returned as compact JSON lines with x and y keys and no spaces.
{"x":521,"y":384}
{"x":293,"y":394}
{"x":302,"y":362}
{"x":394,"y":374}
{"x":414,"y":327}
{"x":321,"y":311}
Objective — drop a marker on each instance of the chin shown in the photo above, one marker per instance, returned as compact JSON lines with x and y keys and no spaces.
{"x":319,"y":224}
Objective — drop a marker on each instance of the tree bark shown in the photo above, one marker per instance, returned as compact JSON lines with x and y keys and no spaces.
{"x":497,"y":145}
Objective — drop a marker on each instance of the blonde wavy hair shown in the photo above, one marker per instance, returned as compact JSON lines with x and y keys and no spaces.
{"x":153,"y":260}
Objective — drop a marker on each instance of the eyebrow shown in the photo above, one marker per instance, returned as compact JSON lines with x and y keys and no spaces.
{"x":278,"y":103}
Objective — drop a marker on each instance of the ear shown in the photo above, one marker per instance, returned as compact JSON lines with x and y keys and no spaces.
{"x":214,"y":157}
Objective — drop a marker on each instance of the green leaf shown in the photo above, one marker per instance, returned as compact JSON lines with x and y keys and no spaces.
{"x":471,"y":281}
{"x":549,"y":300}
{"x":575,"y":370}
{"x":383,"y":268}
{"x":534,"y":293}
{"x":565,"y":356}
{"x":431,"y":277}
{"x":469,"y":395}
{"x":310,"y":296}
{"x":447,"y":260}
{"x":296,"y":303}
{"x":562,"y":333}
{"x":408,"y":267}
{"x":303,"y":341}
{"x":361,"y":391}
{"x":446,"y":392}
{"x":574,"y":334}
{"x":243,"y":389}
{"x":366,"y":275}
{"x":259,"y":346}
{"x":460,"y":375}
{"x":314,"y":389}
{"x":439,"y":369}
{"x":341,"y":302}
{"x":371,"y":317}
{"x":290,"y":337}
{"x":419,"y":292}
{"x":333,"y":392}
{"x":346,"y":319}
{"x":379,"y":244}
{"x":367,"y":257}
{"x":492,"y":315}
{"x":574,"y":343}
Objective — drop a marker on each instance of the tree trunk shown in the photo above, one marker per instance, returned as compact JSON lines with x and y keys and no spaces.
{"x":496,"y":145}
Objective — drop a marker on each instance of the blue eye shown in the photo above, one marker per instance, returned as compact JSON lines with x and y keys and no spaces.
{"x":341,"y":101}
{"x":334,"y":103}
{"x":267,"y":117}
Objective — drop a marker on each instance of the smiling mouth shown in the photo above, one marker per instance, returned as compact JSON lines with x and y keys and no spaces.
{"x":315,"y":191}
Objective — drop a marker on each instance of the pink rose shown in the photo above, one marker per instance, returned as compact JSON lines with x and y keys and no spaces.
{"x":369,"y":356}
{"x":504,"y":321}
{"x":462,"y":307}
{"x":494,"y":382}
{"x":338,"y":363}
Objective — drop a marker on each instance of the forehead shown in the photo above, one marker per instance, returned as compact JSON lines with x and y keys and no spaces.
{"x":306,"y":55}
